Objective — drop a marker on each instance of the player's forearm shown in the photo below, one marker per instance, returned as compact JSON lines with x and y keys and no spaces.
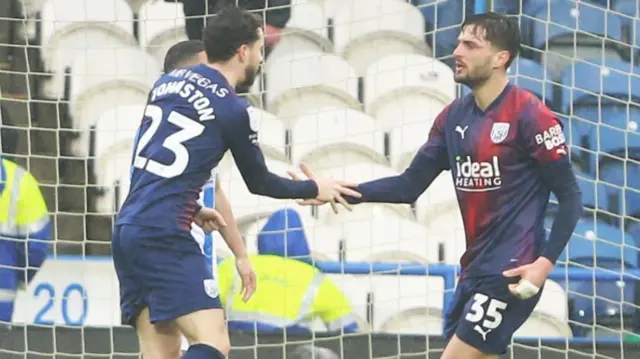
{"x":561,"y":180}
{"x":231,"y":234}
{"x":396,"y":189}
{"x":274,"y":186}
{"x":405,"y":188}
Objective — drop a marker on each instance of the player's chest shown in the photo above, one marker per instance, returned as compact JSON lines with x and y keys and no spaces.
{"x":483,"y":139}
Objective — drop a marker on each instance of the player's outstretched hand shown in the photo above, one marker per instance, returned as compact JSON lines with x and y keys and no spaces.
{"x":209,"y":220}
{"x":329,"y":190}
{"x":248,"y":276}
{"x":532,"y":277}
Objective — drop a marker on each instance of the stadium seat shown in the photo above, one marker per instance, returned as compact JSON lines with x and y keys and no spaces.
{"x":69,"y":27}
{"x":304,"y":82}
{"x":161,"y":25}
{"x":407,"y":92}
{"x":306,"y":31}
{"x":550,"y":316}
{"x":414,"y":321}
{"x":570,"y":29}
{"x":531,"y":76}
{"x":367,"y":30}
{"x":102,"y":79}
{"x":113,"y":168}
{"x":272,"y":132}
{"x":117,"y":125}
{"x":245,"y":205}
{"x":597,"y":241}
{"x":335,"y":136}
{"x":391,"y":295}
{"x":619,"y":187}
{"x":443,"y":22}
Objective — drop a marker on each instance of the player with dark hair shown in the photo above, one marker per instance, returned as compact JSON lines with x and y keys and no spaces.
{"x":506,"y":153}
{"x":185,"y":54}
{"x":193,"y":117}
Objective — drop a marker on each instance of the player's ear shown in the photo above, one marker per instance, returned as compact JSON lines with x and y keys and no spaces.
{"x":243,"y":53}
{"x":501,"y":58}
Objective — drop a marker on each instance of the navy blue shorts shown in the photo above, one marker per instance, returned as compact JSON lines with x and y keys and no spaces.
{"x":168,"y":275}
{"x":484,"y":314}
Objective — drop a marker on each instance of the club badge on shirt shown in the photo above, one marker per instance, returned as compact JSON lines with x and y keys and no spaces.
{"x":499,"y":132}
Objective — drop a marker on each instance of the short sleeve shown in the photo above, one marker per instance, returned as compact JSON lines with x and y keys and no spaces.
{"x":436,"y":146}
{"x":541,"y":134}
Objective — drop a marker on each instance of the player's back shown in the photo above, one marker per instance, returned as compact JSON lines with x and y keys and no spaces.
{"x":179,"y":142}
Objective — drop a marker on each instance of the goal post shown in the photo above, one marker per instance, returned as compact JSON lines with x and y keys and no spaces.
{"x":351,"y":88}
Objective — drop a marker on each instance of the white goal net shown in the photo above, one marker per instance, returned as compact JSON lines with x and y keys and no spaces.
{"x":351,"y":88}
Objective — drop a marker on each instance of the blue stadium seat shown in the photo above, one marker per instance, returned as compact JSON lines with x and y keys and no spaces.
{"x":530,"y":75}
{"x":613,"y":249}
{"x":607,"y":246}
{"x":583,"y":82}
{"x":588,"y":189}
{"x":445,"y":17}
{"x":630,"y":23}
{"x":620,"y":180}
{"x":556,"y":26}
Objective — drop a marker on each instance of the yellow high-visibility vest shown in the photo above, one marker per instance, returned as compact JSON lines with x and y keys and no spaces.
{"x":23,"y":210}
{"x":289,"y":293}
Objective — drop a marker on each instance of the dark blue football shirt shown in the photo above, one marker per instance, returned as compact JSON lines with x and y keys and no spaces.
{"x":192,"y":118}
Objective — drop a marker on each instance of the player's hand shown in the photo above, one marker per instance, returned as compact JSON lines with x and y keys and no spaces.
{"x":329,"y":190}
{"x":209,"y":220}
{"x":248,"y":276}
{"x":532,"y":277}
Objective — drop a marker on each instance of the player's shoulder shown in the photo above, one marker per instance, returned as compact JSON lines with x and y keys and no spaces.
{"x":527,"y":107}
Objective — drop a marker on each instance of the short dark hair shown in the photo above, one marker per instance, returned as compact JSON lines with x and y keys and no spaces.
{"x":502,"y":32}
{"x":182,"y":52}
{"x":228,"y":30}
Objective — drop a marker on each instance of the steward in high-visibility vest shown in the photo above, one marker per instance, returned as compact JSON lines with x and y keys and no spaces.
{"x":25,"y":232}
{"x":290,"y":293}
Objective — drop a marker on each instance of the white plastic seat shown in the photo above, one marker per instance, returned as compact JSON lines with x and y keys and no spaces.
{"x":327,"y":129}
{"x":437,"y":208}
{"x":302,"y":82}
{"x":117,"y":124}
{"x":114,"y":165}
{"x":306,"y":31}
{"x":391,"y":294}
{"x":272,"y":132}
{"x":161,"y":26}
{"x":415,"y":321}
{"x":408,"y":88}
{"x":102,"y":79}
{"x":366,"y":30}
{"x":70,"y":27}
{"x":378,"y":237}
{"x":243,"y":202}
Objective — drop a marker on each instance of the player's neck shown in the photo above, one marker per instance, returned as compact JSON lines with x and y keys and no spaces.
{"x":489,"y":91}
{"x":227,"y":72}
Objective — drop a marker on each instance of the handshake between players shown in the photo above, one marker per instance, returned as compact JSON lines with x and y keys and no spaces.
{"x":329,"y":191}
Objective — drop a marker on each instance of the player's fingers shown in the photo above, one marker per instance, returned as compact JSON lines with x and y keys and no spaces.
{"x":348,"y":192}
{"x":512,"y":289}
{"x":514,"y":272}
{"x":293,"y":175}
{"x":307,"y":171}
{"x":348,"y":184}
{"x":344,"y":203}
{"x":219,"y":219}
{"x":334,"y":207}
{"x":310,"y":202}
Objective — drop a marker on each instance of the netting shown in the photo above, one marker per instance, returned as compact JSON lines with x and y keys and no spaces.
{"x":351,"y":89}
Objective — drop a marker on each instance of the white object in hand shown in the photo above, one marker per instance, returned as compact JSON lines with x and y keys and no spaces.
{"x":526,"y":289}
